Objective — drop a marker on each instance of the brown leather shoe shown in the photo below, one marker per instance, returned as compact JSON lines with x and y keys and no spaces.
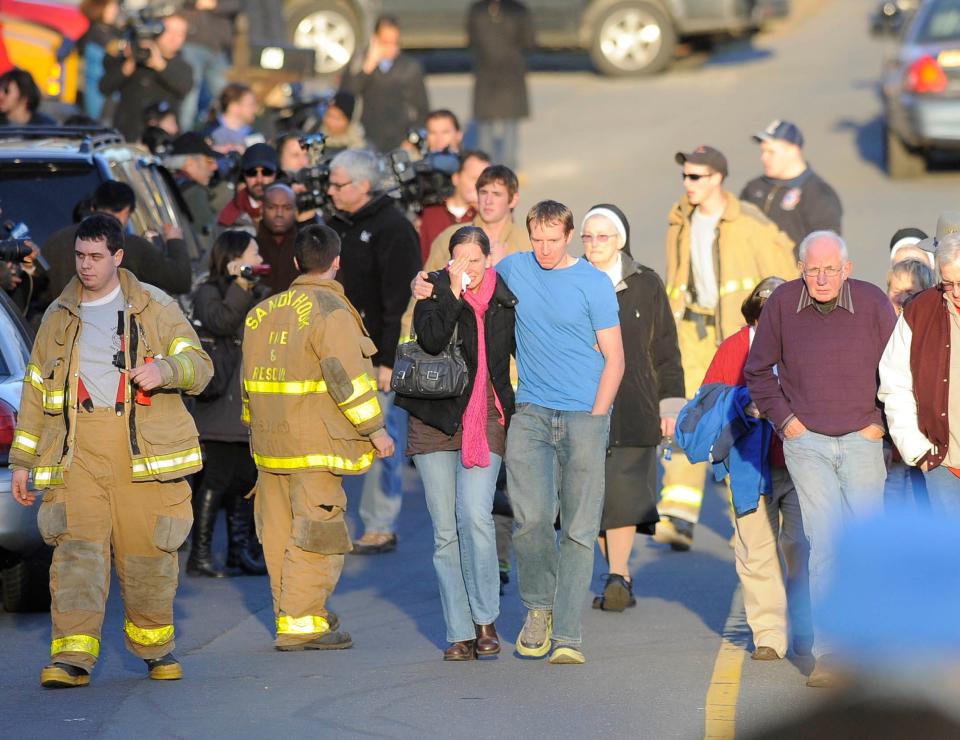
{"x":765,"y":652}
{"x":488,"y":641}
{"x":464,"y":650}
{"x":827,"y":674}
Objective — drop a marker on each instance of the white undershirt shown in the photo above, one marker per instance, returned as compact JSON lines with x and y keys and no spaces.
{"x":703,"y":234}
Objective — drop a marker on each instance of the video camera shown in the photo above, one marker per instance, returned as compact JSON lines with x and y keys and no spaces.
{"x":426,"y":182}
{"x":145,"y":24}
{"x":315,"y":177}
{"x":15,"y":243}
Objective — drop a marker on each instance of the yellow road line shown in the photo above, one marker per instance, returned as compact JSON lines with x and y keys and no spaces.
{"x":721,"y":706}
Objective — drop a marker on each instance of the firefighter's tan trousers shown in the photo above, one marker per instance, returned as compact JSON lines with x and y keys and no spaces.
{"x":682,"y":494}
{"x":101,"y":507}
{"x":300,"y":523}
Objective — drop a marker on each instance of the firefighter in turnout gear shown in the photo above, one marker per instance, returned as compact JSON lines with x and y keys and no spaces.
{"x":718,"y":249}
{"x":310,"y":400}
{"x":102,"y":427}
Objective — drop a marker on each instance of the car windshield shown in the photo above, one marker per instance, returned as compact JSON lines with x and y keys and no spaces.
{"x":938,"y":23}
{"x":43,"y":195}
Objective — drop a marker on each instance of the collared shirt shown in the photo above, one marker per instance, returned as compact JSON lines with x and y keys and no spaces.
{"x":844,"y":300}
{"x":952,"y":460}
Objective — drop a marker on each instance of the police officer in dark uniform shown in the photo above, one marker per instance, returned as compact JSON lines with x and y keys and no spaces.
{"x":795,"y":197}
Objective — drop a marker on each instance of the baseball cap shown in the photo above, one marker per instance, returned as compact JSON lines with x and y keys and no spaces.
{"x":191,"y":143}
{"x":705,"y":155}
{"x":781,"y":130}
{"x":259,"y":155}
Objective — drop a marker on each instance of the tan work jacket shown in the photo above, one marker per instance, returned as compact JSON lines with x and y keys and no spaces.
{"x":748,"y":248}
{"x":163,"y":441}
{"x":309,"y":394}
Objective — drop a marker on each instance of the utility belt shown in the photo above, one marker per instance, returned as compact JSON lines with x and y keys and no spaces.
{"x":702,"y":320}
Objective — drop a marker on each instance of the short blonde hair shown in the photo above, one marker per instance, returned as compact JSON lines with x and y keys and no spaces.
{"x":550,"y":213}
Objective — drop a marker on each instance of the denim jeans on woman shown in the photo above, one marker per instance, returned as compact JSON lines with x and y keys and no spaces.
{"x":838,"y":479}
{"x":542,"y":444}
{"x":943,"y":489}
{"x":460,"y":501}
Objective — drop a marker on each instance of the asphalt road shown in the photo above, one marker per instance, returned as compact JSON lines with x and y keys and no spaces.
{"x":648,"y":669}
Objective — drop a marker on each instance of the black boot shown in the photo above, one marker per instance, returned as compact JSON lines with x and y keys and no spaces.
{"x":245,"y":552}
{"x":206,"y":505}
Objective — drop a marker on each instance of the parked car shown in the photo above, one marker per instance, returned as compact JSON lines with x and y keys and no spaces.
{"x":921,"y":89}
{"x":24,"y":558}
{"x":623,"y":37}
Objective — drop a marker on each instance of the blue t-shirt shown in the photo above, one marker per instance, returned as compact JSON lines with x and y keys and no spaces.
{"x":558,"y":314}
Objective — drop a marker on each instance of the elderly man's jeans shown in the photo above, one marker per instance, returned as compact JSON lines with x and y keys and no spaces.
{"x":383,"y":484}
{"x":209,"y":68}
{"x":943,"y":490}
{"x":838,"y":479}
{"x":550,"y":451}
{"x":460,"y":501}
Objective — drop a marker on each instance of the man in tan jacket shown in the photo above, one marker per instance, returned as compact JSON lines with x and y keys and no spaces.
{"x":718,"y":249}
{"x":310,"y":400}
{"x":103,"y":429}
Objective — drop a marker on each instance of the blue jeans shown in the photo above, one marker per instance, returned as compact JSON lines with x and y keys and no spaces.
{"x":838,"y":479}
{"x":209,"y":68}
{"x":93,"y":99}
{"x":460,"y":501}
{"x":383,"y":484}
{"x":500,"y":139}
{"x":943,"y":488}
{"x":905,"y":487}
{"x":547,"y":451}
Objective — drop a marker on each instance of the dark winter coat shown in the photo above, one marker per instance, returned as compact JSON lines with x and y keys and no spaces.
{"x":653,"y":371}
{"x":379,"y":256}
{"x":798,"y":206}
{"x":144,"y":87}
{"x":393,"y":102}
{"x":499,"y":34}
{"x":434,"y":320}
{"x":219,"y":310}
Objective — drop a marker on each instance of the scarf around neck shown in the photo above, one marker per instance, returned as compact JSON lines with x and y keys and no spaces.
{"x":475,"y":449}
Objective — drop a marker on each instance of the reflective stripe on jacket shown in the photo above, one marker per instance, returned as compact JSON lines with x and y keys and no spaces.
{"x":163,"y":441}
{"x":309,"y":393}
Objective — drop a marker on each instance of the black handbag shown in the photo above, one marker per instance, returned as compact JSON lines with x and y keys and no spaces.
{"x":418,"y":374}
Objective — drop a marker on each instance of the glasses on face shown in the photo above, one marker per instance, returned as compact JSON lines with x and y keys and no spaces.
{"x":262,"y":171}
{"x":340,"y":185}
{"x":949,"y":286}
{"x":828,"y":272}
{"x":598,"y":238}
{"x":693,"y":177}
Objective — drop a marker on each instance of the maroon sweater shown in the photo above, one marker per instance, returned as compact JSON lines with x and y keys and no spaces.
{"x":826,"y":363}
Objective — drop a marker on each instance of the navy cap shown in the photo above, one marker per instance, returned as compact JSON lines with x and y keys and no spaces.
{"x":259,"y":155}
{"x":782,"y":130}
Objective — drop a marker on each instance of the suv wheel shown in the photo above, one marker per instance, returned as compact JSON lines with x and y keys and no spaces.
{"x":632,"y":38}
{"x":902,"y":162}
{"x":26,"y":585}
{"x":329,"y":27}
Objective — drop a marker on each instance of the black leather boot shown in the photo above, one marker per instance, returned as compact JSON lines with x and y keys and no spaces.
{"x":206,"y":505}
{"x":245,"y":552}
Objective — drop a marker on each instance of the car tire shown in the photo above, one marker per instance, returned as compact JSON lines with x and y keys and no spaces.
{"x":902,"y":162}
{"x":330,"y":27}
{"x":632,"y":38}
{"x":26,"y":585}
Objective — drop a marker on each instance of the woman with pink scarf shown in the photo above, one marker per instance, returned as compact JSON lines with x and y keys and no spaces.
{"x":457,"y":444}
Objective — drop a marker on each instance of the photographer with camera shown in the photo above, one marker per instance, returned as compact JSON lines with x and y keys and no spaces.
{"x":380,"y":257}
{"x":339,"y":128}
{"x":147,"y":71}
{"x":305,"y":167}
{"x":192,"y":161}
{"x":165,"y":263}
{"x":258,"y":169}
{"x":460,"y":208}
{"x":443,"y":131}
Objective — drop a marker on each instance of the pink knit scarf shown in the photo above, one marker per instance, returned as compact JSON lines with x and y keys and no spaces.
{"x":475,"y":450}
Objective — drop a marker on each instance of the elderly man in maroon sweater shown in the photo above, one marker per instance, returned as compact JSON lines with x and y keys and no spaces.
{"x":812,"y":371}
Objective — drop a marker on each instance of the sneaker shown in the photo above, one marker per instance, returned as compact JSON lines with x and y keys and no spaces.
{"x":534,"y":639}
{"x":373,"y":543}
{"x":63,"y":676}
{"x":567,"y":655}
{"x":674,"y":532}
{"x":329,"y":640}
{"x":166,"y":668}
{"x":617,"y":594}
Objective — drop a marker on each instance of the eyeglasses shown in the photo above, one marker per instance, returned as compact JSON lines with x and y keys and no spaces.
{"x":828,"y":272}
{"x":949,"y":286}
{"x":262,"y":171}
{"x":598,"y":238}
{"x":340,"y":185}
{"x":694,"y":178}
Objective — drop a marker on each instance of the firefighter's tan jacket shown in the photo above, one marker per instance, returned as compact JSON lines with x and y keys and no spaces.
{"x":309,"y":393}
{"x":748,"y":248}
{"x":162,"y":441}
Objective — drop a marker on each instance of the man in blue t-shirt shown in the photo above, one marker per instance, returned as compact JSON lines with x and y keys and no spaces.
{"x":570,"y":362}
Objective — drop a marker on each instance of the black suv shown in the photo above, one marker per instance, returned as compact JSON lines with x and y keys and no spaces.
{"x":46,"y":171}
{"x":624,"y":37}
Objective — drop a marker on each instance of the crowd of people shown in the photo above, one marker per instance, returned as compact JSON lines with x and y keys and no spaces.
{"x":590,"y":394}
